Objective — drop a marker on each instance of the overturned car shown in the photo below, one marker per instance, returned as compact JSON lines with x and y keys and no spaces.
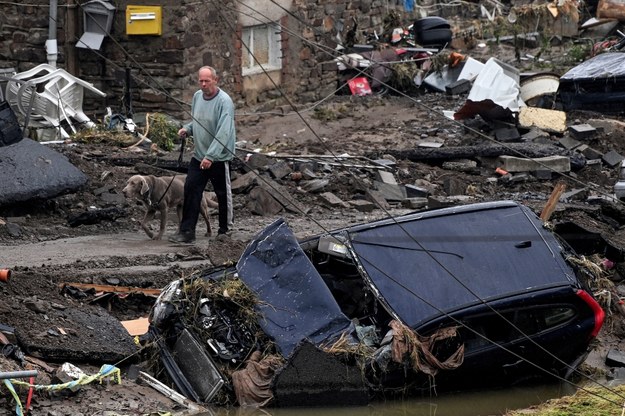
{"x":449,"y":298}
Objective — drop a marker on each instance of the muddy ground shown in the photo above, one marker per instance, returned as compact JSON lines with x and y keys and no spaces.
{"x":43,"y":251}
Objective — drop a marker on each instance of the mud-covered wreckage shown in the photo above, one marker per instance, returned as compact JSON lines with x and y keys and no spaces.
{"x":449,"y":297}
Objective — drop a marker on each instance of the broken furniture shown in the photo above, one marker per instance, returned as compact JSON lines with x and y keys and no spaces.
{"x":597,"y":84}
{"x":47,"y":97}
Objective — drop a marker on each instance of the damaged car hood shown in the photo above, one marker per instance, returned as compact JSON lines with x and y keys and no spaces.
{"x":294,"y":302}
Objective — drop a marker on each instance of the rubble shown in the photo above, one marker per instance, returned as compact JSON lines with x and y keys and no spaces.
{"x":527,"y":136}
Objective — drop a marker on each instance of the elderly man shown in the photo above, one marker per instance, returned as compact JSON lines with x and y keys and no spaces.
{"x":214,"y":136}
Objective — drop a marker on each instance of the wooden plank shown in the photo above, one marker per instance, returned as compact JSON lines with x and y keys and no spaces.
{"x":113,"y":289}
{"x":552,"y":202}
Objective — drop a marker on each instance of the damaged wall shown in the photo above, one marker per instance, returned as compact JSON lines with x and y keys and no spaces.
{"x":164,"y":67}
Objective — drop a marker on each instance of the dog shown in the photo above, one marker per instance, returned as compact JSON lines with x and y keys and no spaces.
{"x":159,"y":194}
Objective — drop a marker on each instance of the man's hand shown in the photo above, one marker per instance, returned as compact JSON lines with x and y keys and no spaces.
{"x":182,"y":133}
{"x":206,"y":164}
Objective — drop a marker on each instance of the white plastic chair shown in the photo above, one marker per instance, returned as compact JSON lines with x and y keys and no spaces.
{"x":53,"y":97}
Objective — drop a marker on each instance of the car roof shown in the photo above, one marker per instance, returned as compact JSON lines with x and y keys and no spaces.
{"x":426,"y":264}
{"x":420,"y":266}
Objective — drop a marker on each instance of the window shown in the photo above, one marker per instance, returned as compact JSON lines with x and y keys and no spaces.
{"x":261,"y":48}
{"x":530,"y":321}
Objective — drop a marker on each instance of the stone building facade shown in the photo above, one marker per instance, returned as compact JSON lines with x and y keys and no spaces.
{"x":294,"y":40}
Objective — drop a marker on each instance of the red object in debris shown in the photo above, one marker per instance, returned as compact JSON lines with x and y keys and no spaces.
{"x":5,"y":275}
{"x":501,"y":171}
{"x":31,"y":381}
{"x":359,"y":86}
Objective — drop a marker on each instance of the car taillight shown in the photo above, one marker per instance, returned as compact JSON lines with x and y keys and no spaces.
{"x":596,"y":310}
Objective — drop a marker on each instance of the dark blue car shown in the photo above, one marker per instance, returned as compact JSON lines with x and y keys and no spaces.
{"x":451,"y":298}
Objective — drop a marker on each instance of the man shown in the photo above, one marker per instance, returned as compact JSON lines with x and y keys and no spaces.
{"x":214,"y":136}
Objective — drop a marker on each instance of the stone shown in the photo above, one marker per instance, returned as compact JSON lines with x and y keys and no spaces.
{"x":569,"y":143}
{"x":377,"y":198}
{"x":612,"y":158}
{"x":390,"y":192}
{"x":261,"y":202}
{"x":332,"y":200}
{"x":362,"y":205}
{"x":460,"y":165}
{"x":535,"y":134}
{"x":244,"y":182}
{"x":415,"y":203}
{"x":314,"y":185}
{"x":582,"y":131}
{"x":258,"y":160}
{"x":414,"y":191}
{"x":386,"y":177}
{"x":280,"y":170}
{"x":453,"y":186}
{"x":507,"y":134}
{"x":518,"y":164}
{"x":615,"y":358}
{"x":591,"y":154}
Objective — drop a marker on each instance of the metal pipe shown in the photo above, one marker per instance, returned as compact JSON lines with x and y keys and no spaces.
{"x":51,"y":44}
{"x":18,"y":374}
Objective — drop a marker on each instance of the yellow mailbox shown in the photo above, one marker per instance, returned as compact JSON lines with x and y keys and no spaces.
{"x":144,"y":20}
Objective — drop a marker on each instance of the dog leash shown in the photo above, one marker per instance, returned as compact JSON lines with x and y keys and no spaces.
{"x":183,"y":144}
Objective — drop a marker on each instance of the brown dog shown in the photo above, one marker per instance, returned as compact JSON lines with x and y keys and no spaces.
{"x":159,"y":194}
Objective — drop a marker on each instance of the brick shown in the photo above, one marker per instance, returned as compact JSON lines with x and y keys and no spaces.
{"x":548,"y":120}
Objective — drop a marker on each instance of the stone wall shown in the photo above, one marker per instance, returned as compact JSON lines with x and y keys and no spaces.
{"x":163,"y":68}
